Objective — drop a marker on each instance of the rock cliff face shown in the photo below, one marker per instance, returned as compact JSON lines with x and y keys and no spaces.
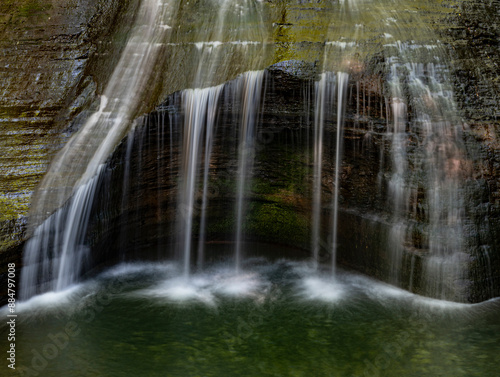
{"x":474,"y":38}
{"x":57,"y":56}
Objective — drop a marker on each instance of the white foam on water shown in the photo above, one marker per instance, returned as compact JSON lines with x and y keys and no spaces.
{"x":218,"y":282}
{"x":314,"y":285}
{"x":440,"y":304}
{"x":205,"y":287}
{"x":51,"y":300}
{"x":382,"y":292}
{"x":180,"y":290}
{"x":321,"y":288}
{"x":125,"y":269}
{"x":239,"y":285}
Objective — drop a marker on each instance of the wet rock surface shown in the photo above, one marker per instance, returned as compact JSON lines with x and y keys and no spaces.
{"x":53,"y":60}
{"x":474,"y":35}
{"x":55,"y":57}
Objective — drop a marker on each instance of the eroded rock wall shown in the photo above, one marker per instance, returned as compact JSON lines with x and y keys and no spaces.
{"x":56,"y":55}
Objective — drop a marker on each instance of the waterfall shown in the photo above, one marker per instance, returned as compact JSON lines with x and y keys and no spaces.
{"x":421,"y":182}
{"x":220,"y":36}
{"x":155,"y":38}
{"x":56,"y":254}
{"x":342,"y":80}
{"x":427,"y":159}
{"x":209,"y":139}
{"x":199,"y":109}
{"x":81,"y":157}
{"x":251,"y":102}
{"x":397,"y":193}
{"x":57,"y":243}
{"x":324,"y":96}
{"x":329,"y":87}
{"x":208,"y":134}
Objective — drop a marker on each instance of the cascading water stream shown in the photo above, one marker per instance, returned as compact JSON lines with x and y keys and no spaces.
{"x":81,"y":157}
{"x":317,"y":174}
{"x":251,"y":103}
{"x":199,"y":109}
{"x":324,"y":94}
{"x":427,"y":158}
{"x":437,"y":158}
{"x":342,"y":81}
{"x":200,"y":115}
{"x":329,"y":87}
{"x":209,"y":140}
{"x":56,"y":254}
{"x":397,"y":193}
{"x":75,"y":168}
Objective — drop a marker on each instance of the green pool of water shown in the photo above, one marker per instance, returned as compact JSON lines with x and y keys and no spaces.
{"x":278,"y":318}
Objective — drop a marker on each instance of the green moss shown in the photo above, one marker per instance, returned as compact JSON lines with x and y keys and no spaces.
{"x":12,"y":208}
{"x":300,"y":30}
{"x":290,"y":178}
{"x":221,"y":226}
{"x":34,"y":8}
{"x":278,"y":223}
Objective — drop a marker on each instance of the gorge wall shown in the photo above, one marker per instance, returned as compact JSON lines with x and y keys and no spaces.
{"x":56,"y":56}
